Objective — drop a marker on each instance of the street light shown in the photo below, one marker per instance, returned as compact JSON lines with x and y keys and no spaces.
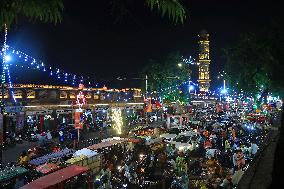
{"x":7,"y":58}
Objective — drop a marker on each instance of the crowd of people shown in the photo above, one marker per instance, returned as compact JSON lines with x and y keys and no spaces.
{"x":215,"y":154}
{"x":221,"y":149}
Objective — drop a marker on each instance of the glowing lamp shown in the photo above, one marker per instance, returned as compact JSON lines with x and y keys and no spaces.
{"x":224,"y":91}
{"x":7,"y":58}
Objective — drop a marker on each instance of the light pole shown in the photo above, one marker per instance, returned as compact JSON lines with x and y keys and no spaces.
{"x":224,"y":90}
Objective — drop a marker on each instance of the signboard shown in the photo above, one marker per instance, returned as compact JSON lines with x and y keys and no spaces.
{"x":63,"y":94}
{"x":96,"y":97}
{"x":77,"y":117}
{"x":14,"y":109}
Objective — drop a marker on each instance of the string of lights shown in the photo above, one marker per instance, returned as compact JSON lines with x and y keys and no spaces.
{"x":10,"y":83}
{"x":5,"y":59}
{"x":189,"y":60}
{"x":53,"y":72}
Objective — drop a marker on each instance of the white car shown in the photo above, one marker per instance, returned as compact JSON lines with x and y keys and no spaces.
{"x":183,"y":143}
{"x":168,"y":137}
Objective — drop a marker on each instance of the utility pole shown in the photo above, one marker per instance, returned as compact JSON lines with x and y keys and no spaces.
{"x":146,"y":89}
{"x":146,"y":86}
{"x":3,"y":79}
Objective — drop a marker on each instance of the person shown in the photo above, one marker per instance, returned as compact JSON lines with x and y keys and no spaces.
{"x":20,"y":181}
{"x":240,"y":159}
{"x":24,"y":159}
{"x":48,"y":135}
{"x":61,"y":136}
{"x":253,"y":149}
{"x":56,"y":148}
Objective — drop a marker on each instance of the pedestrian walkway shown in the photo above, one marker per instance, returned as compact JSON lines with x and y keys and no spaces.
{"x":259,"y":175}
{"x":12,"y":154}
{"x":277,"y":174}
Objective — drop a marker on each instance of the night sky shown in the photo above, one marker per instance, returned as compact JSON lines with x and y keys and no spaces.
{"x":90,"y":41}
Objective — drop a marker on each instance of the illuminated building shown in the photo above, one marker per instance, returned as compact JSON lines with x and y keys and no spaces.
{"x":203,"y":62}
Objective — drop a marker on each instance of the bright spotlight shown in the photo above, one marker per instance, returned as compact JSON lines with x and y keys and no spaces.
{"x":191,"y":88}
{"x":7,"y":58}
{"x":180,"y":64}
{"x":223,"y":91}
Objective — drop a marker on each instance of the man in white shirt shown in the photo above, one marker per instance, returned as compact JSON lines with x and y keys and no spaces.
{"x":253,"y":148}
{"x":48,"y":135}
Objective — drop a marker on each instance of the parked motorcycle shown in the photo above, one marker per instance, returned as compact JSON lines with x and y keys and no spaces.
{"x":19,"y":139}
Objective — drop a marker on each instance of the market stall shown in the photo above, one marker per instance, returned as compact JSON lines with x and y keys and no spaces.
{"x":9,"y":174}
{"x":106,"y":144}
{"x":69,"y":177}
{"x":88,"y":158}
{"x":47,"y":168}
{"x":56,"y":156}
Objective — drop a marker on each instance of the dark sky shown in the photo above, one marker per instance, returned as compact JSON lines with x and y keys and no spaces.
{"x":88,"y":41}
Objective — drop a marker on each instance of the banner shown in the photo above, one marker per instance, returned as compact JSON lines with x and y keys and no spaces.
{"x":77,"y":118}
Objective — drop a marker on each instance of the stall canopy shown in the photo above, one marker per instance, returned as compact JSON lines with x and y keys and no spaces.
{"x":53,"y":156}
{"x":11,"y":172}
{"x":86,"y":152}
{"x":106,"y":144}
{"x":47,"y":168}
{"x":56,"y":177}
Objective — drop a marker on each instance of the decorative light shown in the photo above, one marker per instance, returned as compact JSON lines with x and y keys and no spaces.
{"x":60,"y":74}
{"x":81,"y":100}
{"x":117,"y":119}
{"x":5,"y":58}
{"x":8,"y":58}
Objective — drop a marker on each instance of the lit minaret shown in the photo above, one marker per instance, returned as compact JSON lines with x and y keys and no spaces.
{"x":203,"y":62}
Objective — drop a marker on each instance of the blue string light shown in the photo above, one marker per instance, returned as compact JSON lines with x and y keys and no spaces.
{"x":54,"y":72}
{"x":6,"y":66}
{"x":10,"y":83}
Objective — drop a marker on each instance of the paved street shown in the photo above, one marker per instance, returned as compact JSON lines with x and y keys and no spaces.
{"x":11,"y":154}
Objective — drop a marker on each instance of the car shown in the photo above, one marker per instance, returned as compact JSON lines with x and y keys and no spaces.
{"x":184,"y":142}
{"x":168,"y":137}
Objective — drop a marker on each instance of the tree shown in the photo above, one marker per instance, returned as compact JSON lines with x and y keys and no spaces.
{"x":167,"y":79}
{"x":43,"y":10}
{"x":254,"y":64}
{"x":173,"y":9}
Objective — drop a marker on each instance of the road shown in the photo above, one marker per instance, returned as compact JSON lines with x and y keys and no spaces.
{"x":11,"y":154}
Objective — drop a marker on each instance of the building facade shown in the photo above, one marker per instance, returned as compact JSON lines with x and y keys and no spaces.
{"x":203,"y":62}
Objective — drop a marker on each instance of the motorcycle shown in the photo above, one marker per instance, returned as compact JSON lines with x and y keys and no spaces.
{"x":19,"y":139}
{"x":10,"y":139}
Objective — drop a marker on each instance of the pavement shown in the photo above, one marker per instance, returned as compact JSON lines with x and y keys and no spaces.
{"x":263,"y":171}
{"x":11,"y":154}
{"x":277,"y":173}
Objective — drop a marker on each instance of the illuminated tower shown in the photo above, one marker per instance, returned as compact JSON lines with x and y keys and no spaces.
{"x":203,"y":62}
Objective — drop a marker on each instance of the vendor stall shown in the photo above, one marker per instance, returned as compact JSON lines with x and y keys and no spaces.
{"x":56,"y":156}
{"x":70,"y":177}
{"x":88,"y":158}
{"x":47,"y":168}
{"x":106,"y":144}
{"x":9,"y":174}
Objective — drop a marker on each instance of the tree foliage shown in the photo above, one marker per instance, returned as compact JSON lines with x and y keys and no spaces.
{"x":43,"y":10}
{"x":166,"y":78}
{"x":254,"y":64}
{"x":172,"y":8}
